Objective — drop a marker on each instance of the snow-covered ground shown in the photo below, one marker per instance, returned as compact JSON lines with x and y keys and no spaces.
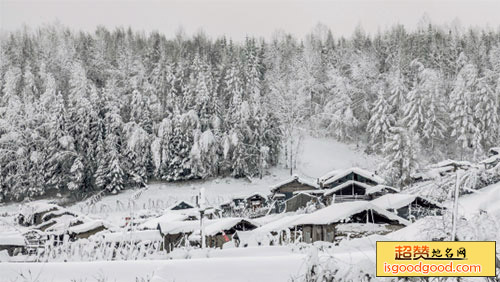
{"x":240,"y":264}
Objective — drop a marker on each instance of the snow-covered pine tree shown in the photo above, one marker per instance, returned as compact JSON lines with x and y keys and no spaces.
{"x":486,"y":113}
{"x":461,"y":105}
{"x":338,"y":111}
{"x":381,"y":121}
{"x":401,"y":151}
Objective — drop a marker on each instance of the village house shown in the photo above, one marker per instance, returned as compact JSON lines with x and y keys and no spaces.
{"x":410,"y":207}
{"x":284,"y":190}
{"x":338,"y":177}
{"x":333,"y":223}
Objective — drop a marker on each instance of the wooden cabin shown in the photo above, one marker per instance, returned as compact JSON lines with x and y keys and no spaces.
{"x":336,"y":178}
{"x":410,"y":207}
{"x":334,"y":223}
{"x":289,"y":186}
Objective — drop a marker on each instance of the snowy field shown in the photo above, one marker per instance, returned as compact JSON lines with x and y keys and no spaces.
{"x":271,"y":264}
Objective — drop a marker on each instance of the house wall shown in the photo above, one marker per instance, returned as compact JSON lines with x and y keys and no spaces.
{"x":297,"y":202}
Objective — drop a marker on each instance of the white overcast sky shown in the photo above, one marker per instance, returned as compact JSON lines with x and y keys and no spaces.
{"x":239,"y":18}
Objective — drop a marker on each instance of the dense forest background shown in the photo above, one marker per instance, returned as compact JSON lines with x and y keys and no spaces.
{"x":84,"y":112}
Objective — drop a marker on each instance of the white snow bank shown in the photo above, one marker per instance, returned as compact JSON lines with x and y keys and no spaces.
{"x":273,"y":268}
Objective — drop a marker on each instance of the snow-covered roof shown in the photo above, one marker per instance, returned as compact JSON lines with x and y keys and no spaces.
{"x":180,"y":202}
{"x":346,"y":184}
{"x":342,"y":211}
{"x":58,"y":212}
{"x":168,"y":217}
{"x":132,"y":236}
{"x":484,"y":199}
{"x":398,"y":200}
{"x":215,"y":226}
{"x":292,"y":179}
{"x":336,"y":175}
{"x":88,"y":226}
{"x":279,"y":224}
{"x":12,"y":239}
{"x":310,"y":192}
{"x":381,"y":187}
{"x":175,"y":227}
{"x":62,"y":223}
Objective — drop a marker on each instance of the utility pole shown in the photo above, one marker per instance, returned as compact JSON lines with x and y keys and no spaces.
{"x":201,"y":207}
{"x":455,"y":208}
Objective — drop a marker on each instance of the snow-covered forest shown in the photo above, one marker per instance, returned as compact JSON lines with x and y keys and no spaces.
{"x":102,"y":111}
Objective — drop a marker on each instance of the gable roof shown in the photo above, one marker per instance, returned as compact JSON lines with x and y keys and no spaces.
{"x":399,"y":200}
{"x":346,"y":184}
{"x":179,"y":203}
{"x":336,"y":175}
{"x":292,"y":179}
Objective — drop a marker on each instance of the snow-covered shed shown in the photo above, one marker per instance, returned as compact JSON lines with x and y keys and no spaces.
{"x":13,"y":242}
{"x":291,"y":185}
{"x":337,"y":177}
{"x":408,"y":206}
{"x":380,"y":190}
